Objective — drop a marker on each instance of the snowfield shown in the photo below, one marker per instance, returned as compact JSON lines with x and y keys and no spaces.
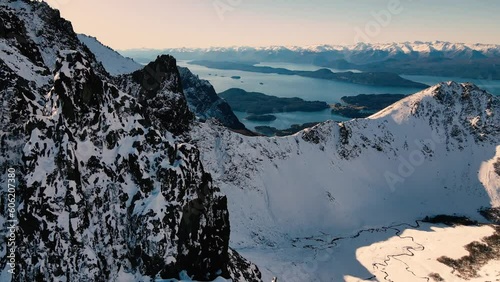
{"x":419,"y":250}
{"x":429,"y":154}
{"x":112,"y":61}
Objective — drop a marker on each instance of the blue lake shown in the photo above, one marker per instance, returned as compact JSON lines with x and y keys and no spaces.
{"x":308,"y":89}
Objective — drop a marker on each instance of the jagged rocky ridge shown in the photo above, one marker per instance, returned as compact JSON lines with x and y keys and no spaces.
{"x":200,"y":96}
{"x":158,"y":88}
{"x":108,"y":188}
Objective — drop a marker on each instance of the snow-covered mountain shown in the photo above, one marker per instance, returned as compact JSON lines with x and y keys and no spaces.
{"x":201,"y":97}
{"x":448,"y":48}
{"x":114,"y":63}
{"x":435,"y":152}
{"x":107,"y":189}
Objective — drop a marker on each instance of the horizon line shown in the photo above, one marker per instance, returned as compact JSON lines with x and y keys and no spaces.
{"x":288,"y":46}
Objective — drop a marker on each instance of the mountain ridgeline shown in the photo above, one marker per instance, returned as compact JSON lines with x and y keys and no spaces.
{"x":437,"y":58}
{"x":108,"y":189}
{"x":200,"y":96}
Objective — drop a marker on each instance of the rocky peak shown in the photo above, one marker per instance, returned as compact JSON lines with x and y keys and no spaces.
{"x":159,"y":90}
{"x":459,"y":110}
{"x":201,"y":98}
{"x":159,"y":74}
{"x":36,"y":25}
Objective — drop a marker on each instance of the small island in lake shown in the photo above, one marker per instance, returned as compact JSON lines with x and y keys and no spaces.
{"x":236,"y":77}
{"x":259,"y":103}
{"x":364,"y":78}
{"x":261,"y":117}
{"x":273,"y":131}
{"x":364,"y":105}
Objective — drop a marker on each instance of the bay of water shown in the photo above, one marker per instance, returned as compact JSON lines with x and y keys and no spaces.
{"x":310,"y":89}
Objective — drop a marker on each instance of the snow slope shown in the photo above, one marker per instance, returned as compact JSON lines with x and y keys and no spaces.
{"x":114,"y":63}
{"x":431,"y":153}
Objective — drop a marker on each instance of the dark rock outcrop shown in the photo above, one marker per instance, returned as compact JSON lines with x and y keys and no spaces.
{"x":107,"y":189}
{"x":204,"y":102}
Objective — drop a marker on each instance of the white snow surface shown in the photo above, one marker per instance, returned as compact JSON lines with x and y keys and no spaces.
{"x":112,"y":61}
{"x":419,"y":249}
{"x":431,"y":153}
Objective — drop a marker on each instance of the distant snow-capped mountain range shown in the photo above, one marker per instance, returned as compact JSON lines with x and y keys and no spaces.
{"x":405,"y":47}
{"x":435,"y":58}
{"x":447,"y":49}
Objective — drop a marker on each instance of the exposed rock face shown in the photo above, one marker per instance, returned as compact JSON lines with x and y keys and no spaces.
{"x":204,"y":101}
{"x":107,"y":190}
{"x":117,"y":193}
{"x":158,"y":88}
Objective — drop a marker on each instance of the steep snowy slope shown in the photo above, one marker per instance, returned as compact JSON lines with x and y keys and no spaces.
{"x":107,"y":188}
{"x":114,"y":63}
{"x":431,"y":153}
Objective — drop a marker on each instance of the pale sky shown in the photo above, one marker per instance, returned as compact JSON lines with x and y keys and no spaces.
{"x":125,"y":24}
